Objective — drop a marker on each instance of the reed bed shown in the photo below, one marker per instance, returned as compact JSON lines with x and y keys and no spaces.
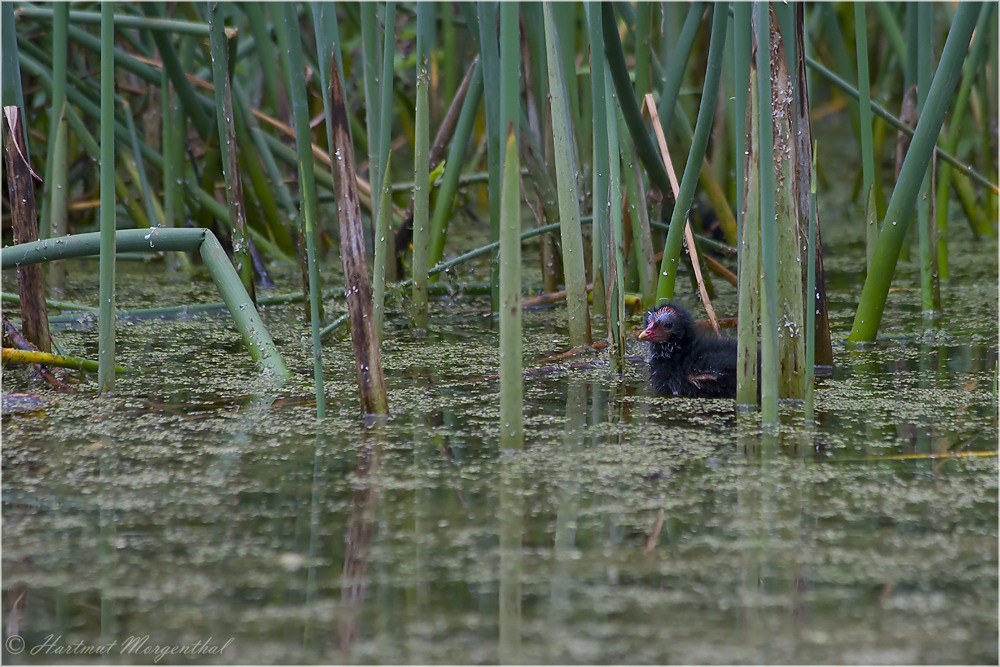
{"x":223,"y":114}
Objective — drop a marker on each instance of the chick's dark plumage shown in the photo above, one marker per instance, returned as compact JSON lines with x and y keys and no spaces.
{"x":684,"y":363}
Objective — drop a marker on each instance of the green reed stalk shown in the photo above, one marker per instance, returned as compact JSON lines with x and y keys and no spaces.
{"x":629,"y":103}
{"x":145,"y":191}
{"x":600,"y":160}
{"x":768,"y":230}
{"x":290,"y":42}
{"x":10,"y":90}
{"x":692,"y":168}
{"x":890,"y":26}
{"x":642,"y":242}
{"x":973,"y":67}
{"x":564,"y":17}
{"x":677,"y":64}
{"x":615,"y":249}
{"x":741,"y":79}
{"x":749,"y":257}
{"x":453,"y":165}
{"x":220,"y":41}
{"x":57,"y":209}
{"x":865,"y":120}
{"x":153,"y":25}
{"x":385,"y":96}
{"x":876,"y":288}
{"x":510,"y":68}
{"x":461,"y":259}
{"x":190,"y":100}
{"x":643,"y":47}
{"x":373,"y":105}
{"x":930,"y":298}
{"x":490,"y":51}
{"x":54,"y":188}
{"x":267,"y":55}
{"x":106,"y":340}
{"x":381,"y":248}
{"x":327,"y":33}
{"x":236,"y":299}
{"x":421,"y":179}
{"x":896,"y":124}
{"x":566,"y":181}
{"x":172,"y":143}
{"x":511,"y":380}
{"x":811,"y":305}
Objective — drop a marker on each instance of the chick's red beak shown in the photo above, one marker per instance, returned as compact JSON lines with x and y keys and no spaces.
{"x":650,"y":333}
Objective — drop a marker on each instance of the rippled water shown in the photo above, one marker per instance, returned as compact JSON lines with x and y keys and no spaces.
{"x":200,"y":504}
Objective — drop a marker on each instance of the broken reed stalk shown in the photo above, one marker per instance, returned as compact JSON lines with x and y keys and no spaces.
{"x":367,"y":357}
{"x":24,"y":221}
{"x":236,"y":299}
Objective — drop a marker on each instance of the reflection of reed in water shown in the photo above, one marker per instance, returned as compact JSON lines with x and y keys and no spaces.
{"x":357,"y":550}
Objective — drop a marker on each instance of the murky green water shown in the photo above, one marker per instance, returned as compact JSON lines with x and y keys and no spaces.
{"x":197,"y":504}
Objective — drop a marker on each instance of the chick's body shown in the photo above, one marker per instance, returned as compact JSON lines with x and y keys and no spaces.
{"x":684,"y":363}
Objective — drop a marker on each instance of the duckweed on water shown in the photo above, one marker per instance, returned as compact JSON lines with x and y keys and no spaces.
{"x":200,"y":500}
